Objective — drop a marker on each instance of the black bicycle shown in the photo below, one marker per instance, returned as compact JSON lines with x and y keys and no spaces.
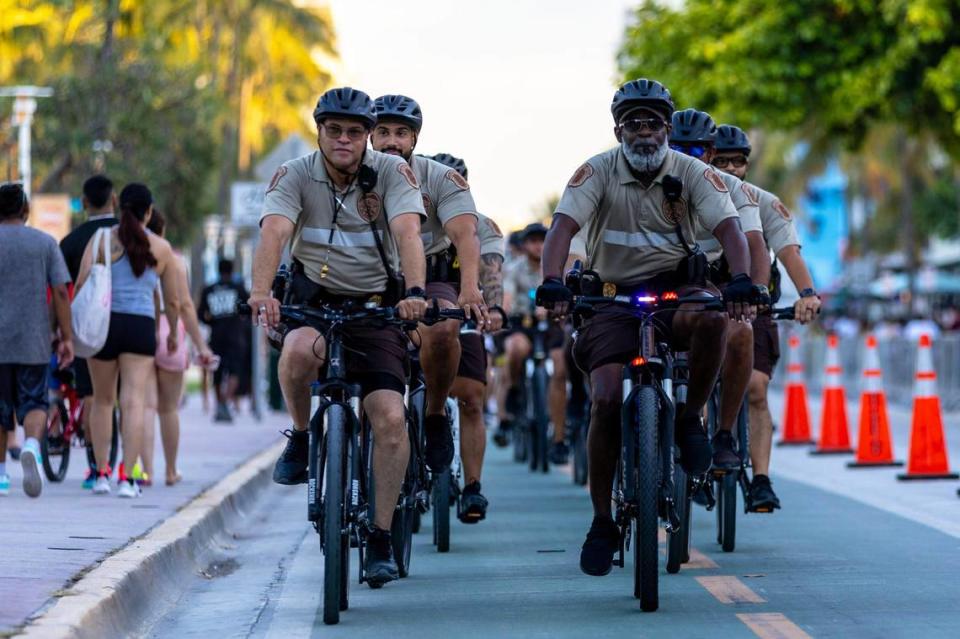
{"x":527,"y":401}
{"x":340,"y":452}
{"x":644,"y":489}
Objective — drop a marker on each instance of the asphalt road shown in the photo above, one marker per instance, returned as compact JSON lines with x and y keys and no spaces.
{"x":825,"y":566}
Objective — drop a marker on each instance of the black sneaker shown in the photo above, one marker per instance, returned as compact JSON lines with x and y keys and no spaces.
{"x":501,"y":437}
{"x":291,"y":468}
{"x":439,"y":451}
{"x":559,"y":453}
{"x":724,"y":456}
{"x":695,"y":450}
{"x":473,"y":505}
{"x":379,"y":565}
{"x":223,"y":415}
{"x":603,"y":540}
{"x":762,"y":497}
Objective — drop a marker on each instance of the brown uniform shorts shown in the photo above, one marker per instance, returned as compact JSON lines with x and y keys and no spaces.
{"x":443,"y":291}
{"x":766,"y":345}
{"x":473,"y":357}
{"x":612,"y":336}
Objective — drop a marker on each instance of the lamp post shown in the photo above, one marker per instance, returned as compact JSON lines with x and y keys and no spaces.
{"x":24,"y":106}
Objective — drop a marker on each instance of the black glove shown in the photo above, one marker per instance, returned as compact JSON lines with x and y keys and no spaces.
{"x":740,"y":289}
{"x":553,"y":291}
{"x":761,"y":295}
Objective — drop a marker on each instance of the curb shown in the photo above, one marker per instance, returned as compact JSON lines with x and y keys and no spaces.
{"x":125,"y":589}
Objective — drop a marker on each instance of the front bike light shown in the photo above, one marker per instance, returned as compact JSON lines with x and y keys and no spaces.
{"x":645,"y":299}
{"x":637,"y":362}
{"x":670,"y":296}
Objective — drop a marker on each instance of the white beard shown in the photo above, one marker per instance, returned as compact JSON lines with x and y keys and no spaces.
{"x":645,"y":162}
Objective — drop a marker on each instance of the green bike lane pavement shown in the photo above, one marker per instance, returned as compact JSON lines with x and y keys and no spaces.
{"x":47,"y":542}
{"x":825,"y":566}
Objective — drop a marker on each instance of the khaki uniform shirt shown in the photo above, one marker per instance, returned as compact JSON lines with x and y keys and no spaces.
{"x":631,"y":235}
{"x":446,"y":195}
{"x":302,"y":192}
{"x":779,"y":226}
{"x":519,"y":279}
{"x":748,"y":208}
{"x":490,"y":236}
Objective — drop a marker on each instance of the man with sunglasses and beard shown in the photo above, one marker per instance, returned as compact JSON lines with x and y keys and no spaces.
{"x":351,"y":217}
{"x":452,"y":251}
{"x":731,"y":155}
{"x":693,"y":134}
{"x":621,"y":196}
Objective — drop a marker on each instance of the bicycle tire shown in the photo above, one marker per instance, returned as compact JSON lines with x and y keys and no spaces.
{"x":580,"y":454}
{"x":401,"y":527}
{"x":675,"y":540}
{"x":333,"y":513}
{"x":441,"y":510}
{"x":61,"y":416}
{"x":727,"y":512}
{"x":646,"y":547}
{"x":520,"y":452}
{"x":540,"y":421}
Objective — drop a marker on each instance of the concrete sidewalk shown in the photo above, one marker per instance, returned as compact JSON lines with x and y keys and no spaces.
{"x":931,"y":502}
{"x":48,"y":541}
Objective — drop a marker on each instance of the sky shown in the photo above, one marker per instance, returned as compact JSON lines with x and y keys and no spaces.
{"x":519,"y":89}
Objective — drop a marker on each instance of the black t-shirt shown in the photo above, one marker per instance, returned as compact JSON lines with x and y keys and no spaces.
{"x":75,"y":243}
{"x":218,"y":309}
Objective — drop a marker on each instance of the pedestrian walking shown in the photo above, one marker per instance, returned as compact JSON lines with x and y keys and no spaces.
{"x":30,"y":263}
{"x":99,"y":205}
{"x":138,"y":260}
{"x":218,"y":309}
{"x":165,"y":387}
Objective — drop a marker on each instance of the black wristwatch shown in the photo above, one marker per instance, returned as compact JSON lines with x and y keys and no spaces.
{"x":415,"y":291}
{"x":808,"y":292}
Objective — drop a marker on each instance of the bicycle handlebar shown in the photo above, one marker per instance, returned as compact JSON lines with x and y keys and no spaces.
{"x":387,"y":315}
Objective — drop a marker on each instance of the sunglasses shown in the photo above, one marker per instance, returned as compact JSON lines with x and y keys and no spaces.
{"x":722,"y":162}
{"x":335,"y":132}
{"x":636,"y":125}
{"x":693,"y":150}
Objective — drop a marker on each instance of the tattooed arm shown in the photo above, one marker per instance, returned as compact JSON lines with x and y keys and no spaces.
{"x":491,"y":283}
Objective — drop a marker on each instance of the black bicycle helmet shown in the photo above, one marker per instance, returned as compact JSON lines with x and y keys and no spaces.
{"x":453,"y":162}
{"x":345,"y":102}
{"x":536,"y":228}
{"x":694,"y":127}
{"x":641,"y":93}
{"x":731,"y":138}
{"x":399,"y":107}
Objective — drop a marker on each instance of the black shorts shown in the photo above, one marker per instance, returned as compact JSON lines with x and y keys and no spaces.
{"x":232,"y":362}
{"x":612,"y":335}
{"x":473,"y":357}
{"x":443,"y":291}
{"x":23,"y":389}
{"x":766,"y":345}
{"x":130,"y":334}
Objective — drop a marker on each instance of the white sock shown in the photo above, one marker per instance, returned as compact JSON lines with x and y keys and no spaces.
{"x":35,"y":444}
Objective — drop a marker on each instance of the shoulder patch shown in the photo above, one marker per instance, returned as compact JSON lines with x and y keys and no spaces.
{"x":408,"y":175}
{"x":674,"y":211}
{"x":275,"y":180}
{"x":369,"y":207}
{"x":581,"y":175}
{"x":750,"y":193}
{"x":427,"y":203}
{"x":715,"y":180}
{"x":782,"y":210}
{"x":493,"y":227}
{"x":458,"y":179}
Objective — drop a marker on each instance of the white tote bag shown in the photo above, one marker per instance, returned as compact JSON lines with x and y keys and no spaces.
{"x":91,"y":306}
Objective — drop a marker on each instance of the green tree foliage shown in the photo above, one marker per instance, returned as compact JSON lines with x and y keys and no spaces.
{"x":187,"y":91}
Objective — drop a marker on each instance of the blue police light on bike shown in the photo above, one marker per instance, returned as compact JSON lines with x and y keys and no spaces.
{"x":645,"y":299}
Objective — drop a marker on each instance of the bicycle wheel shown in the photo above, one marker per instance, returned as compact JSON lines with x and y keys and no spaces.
{"x":675,"y":540}
{"x":441,"y":510}
{"x":647,"y":477}
{"x":333,"y":513}
{"x":727,"y":511}
{"x":56,"y":447}
{"x":580,"y":454}
{"x":540,"y":421}
{"x":401,"y":528}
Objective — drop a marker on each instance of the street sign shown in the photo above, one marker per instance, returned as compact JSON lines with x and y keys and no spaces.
{"x":246,"y":203}
{"x":50,"y":213}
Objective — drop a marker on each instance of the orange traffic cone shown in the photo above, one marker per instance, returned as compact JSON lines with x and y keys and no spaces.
{"x":796,"y":418}
{"x":874,"y":445}
{"x":834,"y":430}
{"x":928,"y":449}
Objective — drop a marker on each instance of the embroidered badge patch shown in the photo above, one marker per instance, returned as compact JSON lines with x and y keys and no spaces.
{"x":275,"y":180}
{"x":782,"y":210}
{"x":715,"y":180}
{"x":369,"y":207}
{"x":458,"y":179}
{"x":408,"y":175}
{"x":750,"y":193}
{"x":581,"y":175}
{"x":675,"y":211}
